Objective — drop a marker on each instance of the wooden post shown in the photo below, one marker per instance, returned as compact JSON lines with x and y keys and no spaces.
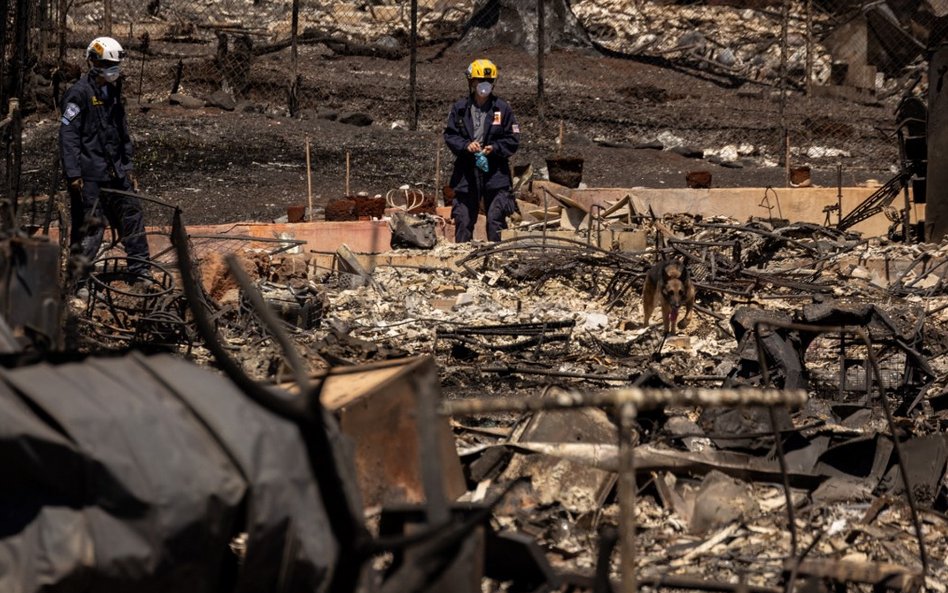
{"x":559,"y":140}
{"x":541,"y":49}
{"x":61,"y":31}
{"x":784,"y":91}
{"x":4,"y":67}
{"x":43,"y":21}
{"x":146,"y":42}
{"x":294,"y":30}
{"x":786,"y":153}
{"x":413,"y":67}
{"x":108,"y":17}
{"x":809,"y":47}
{"x":309,"y":183}
{"x":293,"y":103}
{"x":627,"y":497}
{"x":347,"y":173}
{"x":439,"y":195}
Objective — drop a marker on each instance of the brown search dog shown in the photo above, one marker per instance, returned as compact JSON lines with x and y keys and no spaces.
{"x":669,"y":281}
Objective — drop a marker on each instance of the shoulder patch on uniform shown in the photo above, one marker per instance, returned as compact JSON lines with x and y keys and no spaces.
{"x":70,"y":113}
{"x":516,"y":128}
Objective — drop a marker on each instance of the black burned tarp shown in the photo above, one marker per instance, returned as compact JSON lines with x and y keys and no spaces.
{"x":137,"y":473}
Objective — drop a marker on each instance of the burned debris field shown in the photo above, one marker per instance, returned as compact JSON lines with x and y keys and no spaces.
{"x":544,"y":389}
{"x":709,"y":352}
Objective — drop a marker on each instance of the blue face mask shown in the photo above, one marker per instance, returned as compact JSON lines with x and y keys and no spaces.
{"x":484,"y":89}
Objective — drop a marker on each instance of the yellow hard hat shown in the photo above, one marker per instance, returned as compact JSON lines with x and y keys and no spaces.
{"x":482,"y":69}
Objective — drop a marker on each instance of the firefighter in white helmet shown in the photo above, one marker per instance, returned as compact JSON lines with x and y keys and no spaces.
{"x":483,"y":134}
{"x":96,"y":151}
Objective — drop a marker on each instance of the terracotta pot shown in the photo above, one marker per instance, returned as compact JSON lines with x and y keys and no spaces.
{"x":295,"y":213}
{"x":698,"y":179}
{"x":800,"y":176}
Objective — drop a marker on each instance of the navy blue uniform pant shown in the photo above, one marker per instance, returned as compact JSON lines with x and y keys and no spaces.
{"x":498,"y":204}
{"x":93,"y":208}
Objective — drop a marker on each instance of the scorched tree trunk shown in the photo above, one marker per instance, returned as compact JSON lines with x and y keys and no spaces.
{"x":514,"y":23}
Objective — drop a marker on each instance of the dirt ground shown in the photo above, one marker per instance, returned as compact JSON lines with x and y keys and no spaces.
{"x":249,"y":163}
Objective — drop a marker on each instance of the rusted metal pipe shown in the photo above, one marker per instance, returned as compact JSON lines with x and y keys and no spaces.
{"x":642,"y":399}
{"x":627,"y":495}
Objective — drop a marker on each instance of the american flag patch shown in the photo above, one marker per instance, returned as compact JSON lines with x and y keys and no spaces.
{"x":516,"y":129}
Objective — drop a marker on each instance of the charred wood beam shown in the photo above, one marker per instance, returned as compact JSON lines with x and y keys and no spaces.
{"x":786,"y":282}
{"x":673,"y":581}
{"x":883,"y":576}
{"x":522,"y":370}
{"x":514,"y":347}
{"x":336,"y":43}
{"x":511,"y":329}
{"x":747,"y":292}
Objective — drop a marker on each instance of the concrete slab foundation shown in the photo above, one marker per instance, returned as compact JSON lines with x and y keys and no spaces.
{"x":374,"y":236}
{"x":801,"y":204}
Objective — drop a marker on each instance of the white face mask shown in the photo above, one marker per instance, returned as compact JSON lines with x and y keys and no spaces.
{"x":484,"y":88}
{"x":111,"y":73}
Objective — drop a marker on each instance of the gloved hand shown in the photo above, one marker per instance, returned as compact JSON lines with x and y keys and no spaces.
{"x":75,"y":184}
{"x":480,"y":161}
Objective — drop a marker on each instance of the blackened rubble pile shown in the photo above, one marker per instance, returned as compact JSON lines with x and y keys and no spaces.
{"x":828,"y":312}
{"x":575,"y":426}
{"x":721,"y":38}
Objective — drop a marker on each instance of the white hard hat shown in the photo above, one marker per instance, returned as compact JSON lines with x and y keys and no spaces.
{"x":105,"y":48}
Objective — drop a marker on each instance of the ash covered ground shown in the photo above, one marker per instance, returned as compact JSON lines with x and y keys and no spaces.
{"x":524,"y":319}
{"x":249,"y":164}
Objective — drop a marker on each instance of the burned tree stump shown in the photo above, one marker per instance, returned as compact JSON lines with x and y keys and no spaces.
{"x":514,"y":22}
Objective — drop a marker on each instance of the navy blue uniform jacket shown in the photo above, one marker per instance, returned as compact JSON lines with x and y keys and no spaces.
{"x":94,"y":142}
{"x":503,"y":133}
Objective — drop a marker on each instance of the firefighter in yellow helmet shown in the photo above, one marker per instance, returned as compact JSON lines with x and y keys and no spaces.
{"x":482,"y":133}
